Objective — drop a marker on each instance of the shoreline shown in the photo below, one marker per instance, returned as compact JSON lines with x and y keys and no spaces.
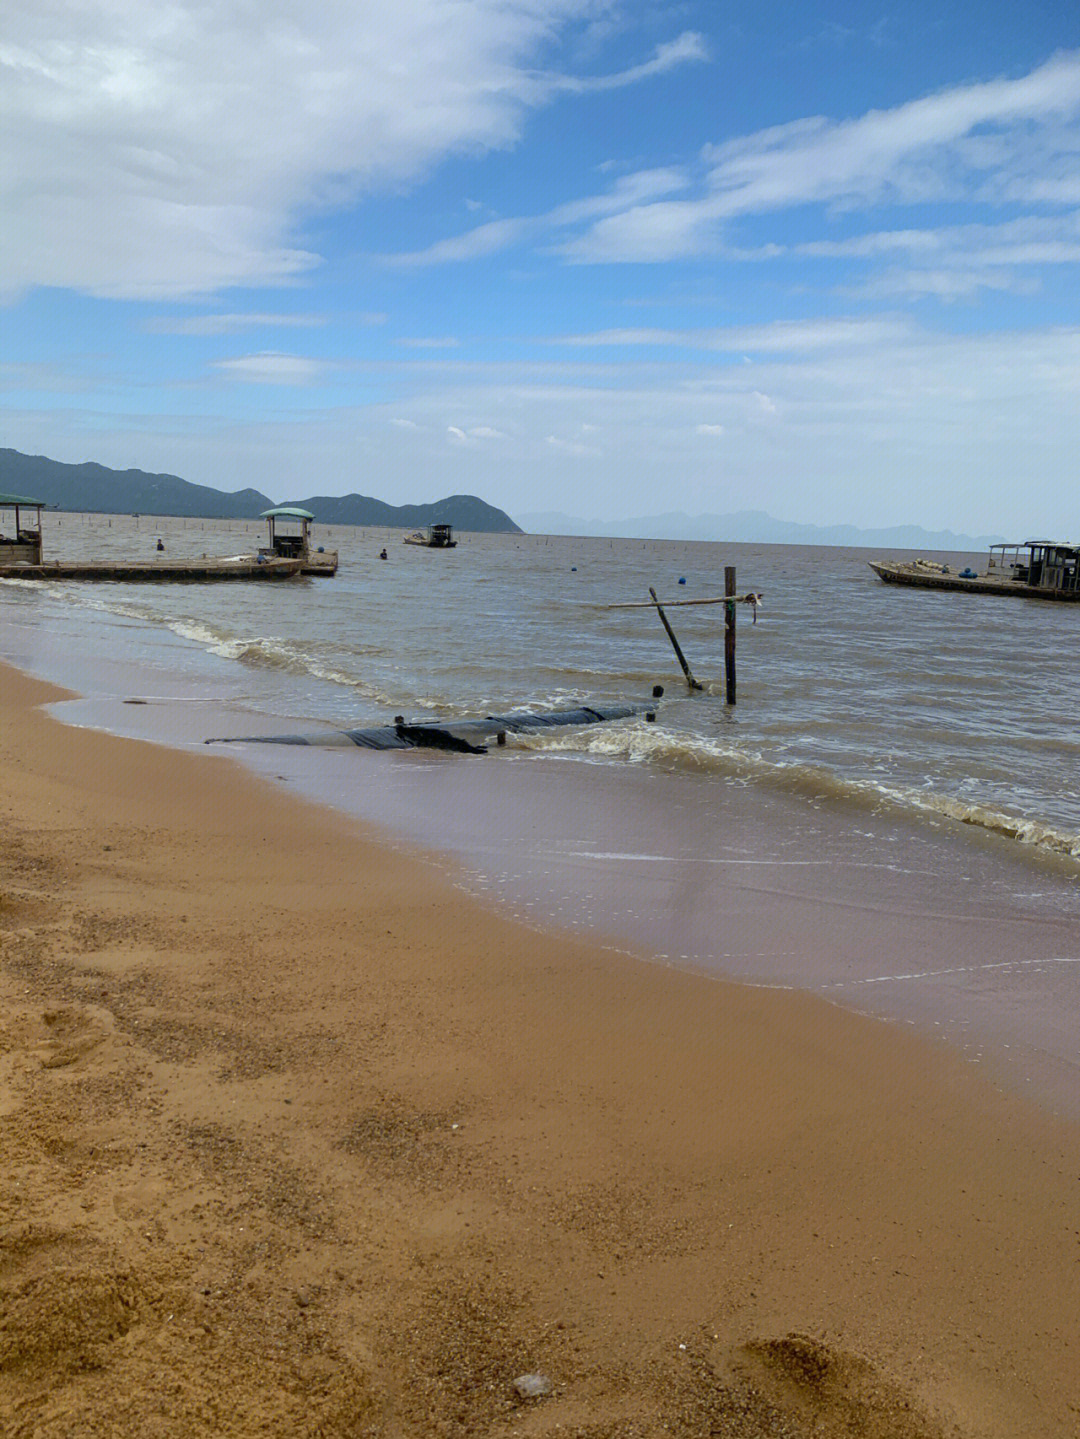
{"x":305,"y":1141}
{"x":983,"y":930}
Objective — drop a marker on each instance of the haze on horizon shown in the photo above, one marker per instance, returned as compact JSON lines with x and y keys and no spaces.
{"x":605,"y":257}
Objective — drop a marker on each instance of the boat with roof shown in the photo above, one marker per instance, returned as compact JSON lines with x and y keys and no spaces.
{"x":1031,"y":569}
{"x":435,"y":537}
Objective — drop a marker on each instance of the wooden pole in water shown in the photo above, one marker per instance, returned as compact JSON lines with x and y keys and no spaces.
{"x":729,"y":632}
{"x":690,"y":680}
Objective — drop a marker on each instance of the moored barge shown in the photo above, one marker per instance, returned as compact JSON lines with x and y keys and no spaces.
{"x":1032,"y":569}
{"x":21,"y":558}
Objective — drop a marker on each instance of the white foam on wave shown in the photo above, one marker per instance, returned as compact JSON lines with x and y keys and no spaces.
{"x":713,"y":860}
{"x":956,"y":969}
{"x":639,"y":742}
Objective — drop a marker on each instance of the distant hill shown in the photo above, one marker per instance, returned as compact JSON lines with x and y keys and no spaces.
{"x":464,"y":512}
{"x":755,"y":527}
{"x":95,"y":489}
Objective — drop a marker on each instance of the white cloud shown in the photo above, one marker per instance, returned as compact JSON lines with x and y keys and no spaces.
{"x":780,"y":337}
{"x":1030,"y":240}
{"x":957,"y":283}
{"x":43,"y":379}
{"x":571,"y":447}
{"x":272,"y":368}
{"x":708,"y":430}
{"x":1000,"y":140}
{"x":496,"y":235}
{"x":689,"y":46}
{"x":432,"y":342}
{"x":475,"y":244}
{"x":958,"y":261}
{"x":923,"y":149}
{"x":167,"y":151}
{"x":228,"y":324}
{"x":478,"y":432}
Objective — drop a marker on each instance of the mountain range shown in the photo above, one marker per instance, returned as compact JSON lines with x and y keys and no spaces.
{"x":754,"y":527}
{"x":95,"y":488}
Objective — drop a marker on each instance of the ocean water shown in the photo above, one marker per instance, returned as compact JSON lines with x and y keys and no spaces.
{"x":889,"y":816}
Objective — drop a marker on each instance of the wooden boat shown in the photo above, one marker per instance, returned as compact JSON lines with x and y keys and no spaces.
{"x":1033,"y":569}
{"x":435,"y":537}
{"x":240,"y":567}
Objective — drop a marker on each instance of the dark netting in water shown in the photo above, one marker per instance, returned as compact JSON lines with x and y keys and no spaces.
{"x":449,"y":734}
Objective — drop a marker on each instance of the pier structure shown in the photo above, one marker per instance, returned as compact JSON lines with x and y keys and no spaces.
{"x":23,"y":545}
{"x":21,"y":557}
{"x":290,"y":538}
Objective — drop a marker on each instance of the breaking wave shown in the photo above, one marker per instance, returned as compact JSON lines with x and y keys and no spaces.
{"x":273,"y":653}
{"x":638,"y":742}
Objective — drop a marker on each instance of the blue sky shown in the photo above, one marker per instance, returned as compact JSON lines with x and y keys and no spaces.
{"x":604,"y":258}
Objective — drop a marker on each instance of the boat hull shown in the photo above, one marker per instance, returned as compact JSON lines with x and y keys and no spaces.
{"x":157,"y":571}
{"x":325,"y":564}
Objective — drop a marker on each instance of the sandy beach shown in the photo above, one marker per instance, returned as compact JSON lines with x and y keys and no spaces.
{"x":298,"y":1139}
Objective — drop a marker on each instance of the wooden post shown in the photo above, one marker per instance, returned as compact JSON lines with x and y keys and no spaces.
{"x":690,"y":680}
{"x":729,"y":632}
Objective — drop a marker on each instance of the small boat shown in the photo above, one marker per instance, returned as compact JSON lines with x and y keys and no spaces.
{"x":435,"y":537}
{"x":1031,"y":569}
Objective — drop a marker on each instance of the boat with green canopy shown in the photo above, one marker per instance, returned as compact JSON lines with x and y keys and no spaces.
{"x":23,"y":545}
{"x":290,"y":538}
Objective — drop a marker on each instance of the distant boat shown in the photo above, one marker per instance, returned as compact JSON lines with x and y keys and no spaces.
{"x":1033,"y":569}
{"x":435,"y":537}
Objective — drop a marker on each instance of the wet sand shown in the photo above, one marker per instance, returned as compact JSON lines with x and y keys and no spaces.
{"x":298,"y":1139}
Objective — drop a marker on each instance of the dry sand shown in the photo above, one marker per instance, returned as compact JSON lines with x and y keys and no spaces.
{"x":297,"y":1140}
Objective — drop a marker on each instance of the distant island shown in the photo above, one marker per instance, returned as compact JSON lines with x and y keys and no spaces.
{"x":755,"y":527}
{"x":96,"y":489}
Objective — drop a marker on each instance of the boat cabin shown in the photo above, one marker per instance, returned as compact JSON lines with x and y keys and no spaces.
{"x":20,"y":540}
{"x":290,"y":532}
{"x":435,"y":537}
{"x":1043,"y":564}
